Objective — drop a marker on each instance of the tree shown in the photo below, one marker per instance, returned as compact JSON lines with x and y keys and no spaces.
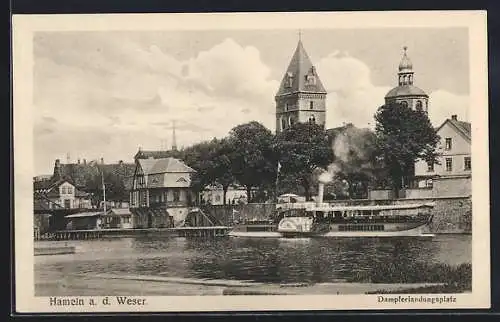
{"x":302,"y":149}
{"x":356,"y":158}
{"x":404,"y":136}
{"x":253,"y":159}
{"x":212,"y":162}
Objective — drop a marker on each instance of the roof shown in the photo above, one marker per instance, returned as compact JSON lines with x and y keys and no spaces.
{"x":141,"y":154}
{"x":300,"y":66}
{"x":405,"y":90}
{"x":374,"y":207}
{"x":462,"y":127}
{"x":83,"y":172}
{"x":165,"y":165}
{"x":120,"y":211}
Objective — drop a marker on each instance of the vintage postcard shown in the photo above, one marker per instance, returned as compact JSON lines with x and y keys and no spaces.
{"x":251,"y":162}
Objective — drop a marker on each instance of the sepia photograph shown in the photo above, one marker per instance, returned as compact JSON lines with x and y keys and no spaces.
{"x":285,"y":161}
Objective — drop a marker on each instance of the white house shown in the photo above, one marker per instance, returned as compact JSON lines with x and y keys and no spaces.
{"x":452,"y":176}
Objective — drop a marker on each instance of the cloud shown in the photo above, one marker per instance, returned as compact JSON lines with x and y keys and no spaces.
{"x":444,"y":104}
{"x":107,"y":93}
{"x":353,"y":98}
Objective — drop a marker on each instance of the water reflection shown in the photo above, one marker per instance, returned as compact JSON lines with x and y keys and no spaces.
{"x":263,"y":260}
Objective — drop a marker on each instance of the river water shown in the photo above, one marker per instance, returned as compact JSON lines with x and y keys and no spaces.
{"x":269,"y":260}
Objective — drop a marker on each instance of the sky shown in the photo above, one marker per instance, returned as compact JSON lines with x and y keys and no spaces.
{"x":104,"y":94}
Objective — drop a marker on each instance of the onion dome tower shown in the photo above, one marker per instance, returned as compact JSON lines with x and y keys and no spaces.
{"x":406,"y":93}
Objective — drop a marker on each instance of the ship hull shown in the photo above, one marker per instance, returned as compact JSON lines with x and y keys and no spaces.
{"x":414,"y":231}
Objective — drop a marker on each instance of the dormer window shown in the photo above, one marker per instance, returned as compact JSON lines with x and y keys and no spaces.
{"x":311,"y":76}
{"x":289,"y":80}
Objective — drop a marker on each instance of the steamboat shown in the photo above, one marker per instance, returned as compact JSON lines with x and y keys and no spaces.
{"x":320,"y":219}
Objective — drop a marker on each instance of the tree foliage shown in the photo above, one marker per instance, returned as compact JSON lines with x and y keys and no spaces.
{"x":302,"y":149}
{"x":404,"y":136}
{"x":253,"y":158}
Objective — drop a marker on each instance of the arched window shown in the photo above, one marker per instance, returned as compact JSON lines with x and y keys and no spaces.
{"x":283,"y":124}
{"x":312,"y":119}
{"x":311,"y":105}
{"x":404,"y":103}
{"x":419,"y":105}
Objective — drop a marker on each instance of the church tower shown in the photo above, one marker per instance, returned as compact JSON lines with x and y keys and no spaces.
{"x":301,"y":96}
{"x":406,"y":93}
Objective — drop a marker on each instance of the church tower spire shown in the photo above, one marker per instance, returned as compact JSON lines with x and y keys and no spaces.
{"x":405,"y":74}
{"x":301,"y":96}
{"x":174,"y":141}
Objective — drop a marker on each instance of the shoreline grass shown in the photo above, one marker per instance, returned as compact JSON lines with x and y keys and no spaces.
{"x":455,"y":279}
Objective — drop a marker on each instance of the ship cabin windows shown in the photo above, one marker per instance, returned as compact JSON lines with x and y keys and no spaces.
{"x":361,"y":227}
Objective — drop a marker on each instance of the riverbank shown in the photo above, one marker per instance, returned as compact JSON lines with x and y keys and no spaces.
{"x":116,"y":284}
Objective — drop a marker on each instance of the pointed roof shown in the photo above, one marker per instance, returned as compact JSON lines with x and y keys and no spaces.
{"x":296,"y":74}
{"x":462,"y":127}
{"x":166,"y":165}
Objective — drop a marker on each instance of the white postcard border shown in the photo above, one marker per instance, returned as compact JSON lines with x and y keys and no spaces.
{"x":25,"y":25}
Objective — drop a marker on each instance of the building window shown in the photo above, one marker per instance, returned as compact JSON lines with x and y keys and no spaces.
{"x":430,"y":166}
{"x":447,"y":144}
{"x":449,"y":164}
{"x":404,"y":103}
{"x":419,"y":105}
{"x":291,"y":121}
{"x":286,"y":106}
{"x":70,"y":190}
{"x":283,"y":124}
{"x":126,"y":220}
{"x":63,"y":190}
{"x":312,"y":119}
{"x":176,"y":195}
{"x":467,"y":163}
{"x":311,"y":105}
{"x":67,"y":203}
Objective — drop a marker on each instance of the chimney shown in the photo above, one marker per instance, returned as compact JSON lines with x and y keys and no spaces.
{"x":85,"y":161}
{"x":454,"y":117}
{"x":102,"y":160}
{"x":321,"y":189}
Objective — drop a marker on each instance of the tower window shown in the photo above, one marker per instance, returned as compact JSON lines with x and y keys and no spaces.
{"x":311,"y":105}
{"x":419,"y":105}
{"x":430,"y":166}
